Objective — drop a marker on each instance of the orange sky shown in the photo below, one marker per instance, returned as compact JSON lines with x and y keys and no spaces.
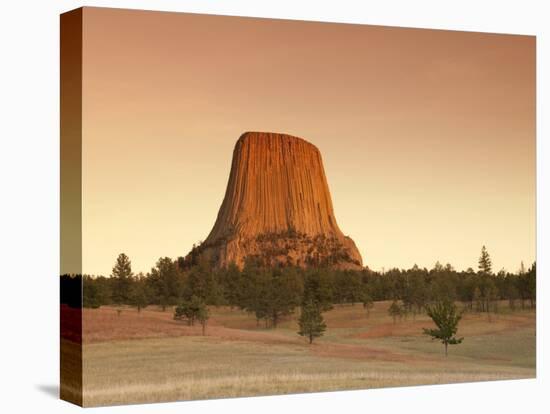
{"x":428,"y":137}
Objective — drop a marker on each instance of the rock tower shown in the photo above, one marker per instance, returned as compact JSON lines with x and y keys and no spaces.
{"x":277,"y":208}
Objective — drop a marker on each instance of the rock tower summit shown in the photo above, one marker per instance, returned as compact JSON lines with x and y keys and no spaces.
{"x":277,"y":208}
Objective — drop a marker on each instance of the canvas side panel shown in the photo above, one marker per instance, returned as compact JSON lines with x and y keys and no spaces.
{"x":71,"y":206}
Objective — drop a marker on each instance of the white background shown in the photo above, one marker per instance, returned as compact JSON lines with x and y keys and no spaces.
{"x":29,"y":206}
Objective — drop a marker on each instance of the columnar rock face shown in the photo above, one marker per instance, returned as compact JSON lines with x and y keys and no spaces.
{"x":277,"y":208}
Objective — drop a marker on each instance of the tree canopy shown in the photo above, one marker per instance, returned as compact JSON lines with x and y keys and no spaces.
{"x":484,"y":263}
{"x":311,"y":322}
{"x":446,"y":317}
{"x":122,"y":275}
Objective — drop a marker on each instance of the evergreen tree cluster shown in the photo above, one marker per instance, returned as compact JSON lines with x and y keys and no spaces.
{"x":271,"y":294}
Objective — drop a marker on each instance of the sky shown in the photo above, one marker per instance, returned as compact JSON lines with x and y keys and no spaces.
{"x":427,"y":136}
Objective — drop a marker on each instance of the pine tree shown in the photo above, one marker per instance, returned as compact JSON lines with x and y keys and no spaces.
{"x":166,"y":283}
{"x":395,"y":310}
{"x":231,"y":280}
{"x":485,"y":265}
{"x":511,"y":292}
{"x":91,"y":294}
{"x":368,"y":303}
{"x":311,"y":322}
{"x":202,"y":316}
{"x":184,"y":312}
{"x":191,"y":310}
{"x":122,"y":275}
{"x":446,"y":318}
{"x":283,"y":293}
{"x":139,"y":293}
{"x":318,"y":289}
{"x":477,"y":298}
{"x":491,"y":299}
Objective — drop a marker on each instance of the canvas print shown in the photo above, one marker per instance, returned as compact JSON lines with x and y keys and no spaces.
{"x":259,"y":206}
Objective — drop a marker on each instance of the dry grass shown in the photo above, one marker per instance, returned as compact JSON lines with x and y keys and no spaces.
{"x":243,"y":385}
{"x":149,"y":357}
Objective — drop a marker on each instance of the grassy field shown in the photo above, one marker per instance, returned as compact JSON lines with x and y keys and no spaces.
{"x":147,"y":357}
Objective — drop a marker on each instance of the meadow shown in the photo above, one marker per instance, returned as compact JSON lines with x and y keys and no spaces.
{"x":132,"y":357}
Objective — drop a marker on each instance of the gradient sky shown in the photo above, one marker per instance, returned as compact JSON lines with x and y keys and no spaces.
{"x":427,"y":137}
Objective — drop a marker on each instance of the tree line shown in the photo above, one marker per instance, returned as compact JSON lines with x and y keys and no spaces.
{"x":273,"y":292}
